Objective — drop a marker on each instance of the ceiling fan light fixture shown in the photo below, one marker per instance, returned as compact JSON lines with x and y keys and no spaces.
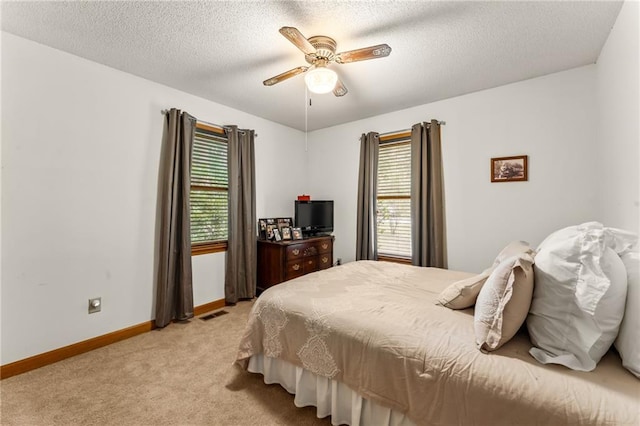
{"x":321,"y":80}
{"x":320,"y":51}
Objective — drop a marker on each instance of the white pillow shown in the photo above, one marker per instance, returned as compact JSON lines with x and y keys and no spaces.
{"x":578,"y":297}
{"x":621,"y":241}
{"x":628,"y":341}
{"x":503,"y":302}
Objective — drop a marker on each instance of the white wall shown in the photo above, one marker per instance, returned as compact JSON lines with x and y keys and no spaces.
{"x":551,"y":119}
{"x":0,"y":191}
{"x":618,"y":96}
{"x":80,"y":157}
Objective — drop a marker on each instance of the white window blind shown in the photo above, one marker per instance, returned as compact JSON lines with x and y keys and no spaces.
{"x":209,"y":188}
{"x":394,"y":199}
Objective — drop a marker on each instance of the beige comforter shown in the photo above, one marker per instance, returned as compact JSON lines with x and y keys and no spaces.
{"x":375,"y":327}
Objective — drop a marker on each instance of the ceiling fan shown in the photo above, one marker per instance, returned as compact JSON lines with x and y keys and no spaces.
{"x":320,"y":52}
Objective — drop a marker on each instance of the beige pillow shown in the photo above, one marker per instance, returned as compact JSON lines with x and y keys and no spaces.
{"x":513,"y":248}
{"x":503,"y":303}
{"x":462,"y":294}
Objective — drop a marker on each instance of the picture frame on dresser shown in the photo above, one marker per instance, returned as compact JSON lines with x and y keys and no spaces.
{"x":276,"y":234}
{"x":296,"y":233}
{"x":267,"y":225}
{"x":262,"y":229}
{"x":284,"y":222}
{"x":286,"y":232}
{"x":269,"y":231}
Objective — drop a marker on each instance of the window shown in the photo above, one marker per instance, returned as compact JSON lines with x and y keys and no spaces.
{"x":394,"y":197}
{"x":209,"y":190}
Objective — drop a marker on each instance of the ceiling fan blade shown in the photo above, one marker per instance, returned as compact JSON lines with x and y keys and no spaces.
{"x":340,"y":89}
{"x":294,"y":36}
{"x":285,"y":75}
{"x":373,"y":52}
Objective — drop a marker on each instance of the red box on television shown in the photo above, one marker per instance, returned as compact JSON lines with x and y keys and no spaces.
{"x":304,"y":197}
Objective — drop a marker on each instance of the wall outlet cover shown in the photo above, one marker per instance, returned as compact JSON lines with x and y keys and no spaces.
{"x":95,"y":305}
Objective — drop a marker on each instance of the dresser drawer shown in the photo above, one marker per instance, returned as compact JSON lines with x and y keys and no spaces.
{"x":310,"y":250}
{"x":296,"y":251}
{"x":325,"y":260}
{"x":323,"y":246}
{"x":310,"y":264}
{"x":294,"y":269}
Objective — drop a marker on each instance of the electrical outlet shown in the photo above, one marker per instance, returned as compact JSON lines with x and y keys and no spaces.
{"x":339,"y":262}
{"x":95,"y":305}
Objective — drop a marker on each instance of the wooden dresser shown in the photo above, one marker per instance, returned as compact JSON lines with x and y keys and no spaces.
{"x":285,"y":260}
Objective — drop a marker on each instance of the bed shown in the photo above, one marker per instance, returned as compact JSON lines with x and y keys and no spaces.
{"x":365,"y":343}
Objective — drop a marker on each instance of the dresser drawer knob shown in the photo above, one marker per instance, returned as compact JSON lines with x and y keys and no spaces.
{"x":295,"y":252}
{"x":324,"y":246}
{"x":325,"y":259}
{"x":296,"y":267}
{"x":311,"y":262}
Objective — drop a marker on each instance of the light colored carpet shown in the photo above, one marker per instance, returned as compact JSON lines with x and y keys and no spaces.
{"x":179,"y":375}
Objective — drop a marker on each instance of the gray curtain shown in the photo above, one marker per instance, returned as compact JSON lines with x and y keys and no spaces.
{"x":427,"y":199}
{"x":174,"y":289}
{"x":240,"y":275}
{"x":366,"y":247}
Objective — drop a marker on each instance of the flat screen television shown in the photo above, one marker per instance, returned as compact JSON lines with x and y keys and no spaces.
{"x":314,"y":217}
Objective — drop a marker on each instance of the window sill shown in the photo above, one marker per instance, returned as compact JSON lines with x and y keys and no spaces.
{"x":394,"y":259}
{"x":207,"y":248}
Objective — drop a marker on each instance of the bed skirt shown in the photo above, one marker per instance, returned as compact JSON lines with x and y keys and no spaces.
{"x":330,"y":397}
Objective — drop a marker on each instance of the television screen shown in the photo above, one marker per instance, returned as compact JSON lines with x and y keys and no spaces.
{"x":314,"y":217}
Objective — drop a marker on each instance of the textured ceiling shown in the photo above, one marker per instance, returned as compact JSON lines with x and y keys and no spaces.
{"x":222,"y":51}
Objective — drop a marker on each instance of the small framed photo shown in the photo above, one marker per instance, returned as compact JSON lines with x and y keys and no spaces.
{"x":509,"y":169}
{"x":284,"y":222}
{"x":262,"y":229}
{"x":286,"y":233}
{"x":276,"y":234}
{"x":296,"y":233}
{"x":269,"y":231}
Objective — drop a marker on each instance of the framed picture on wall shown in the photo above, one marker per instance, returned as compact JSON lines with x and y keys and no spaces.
{"x":509,"y":169}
